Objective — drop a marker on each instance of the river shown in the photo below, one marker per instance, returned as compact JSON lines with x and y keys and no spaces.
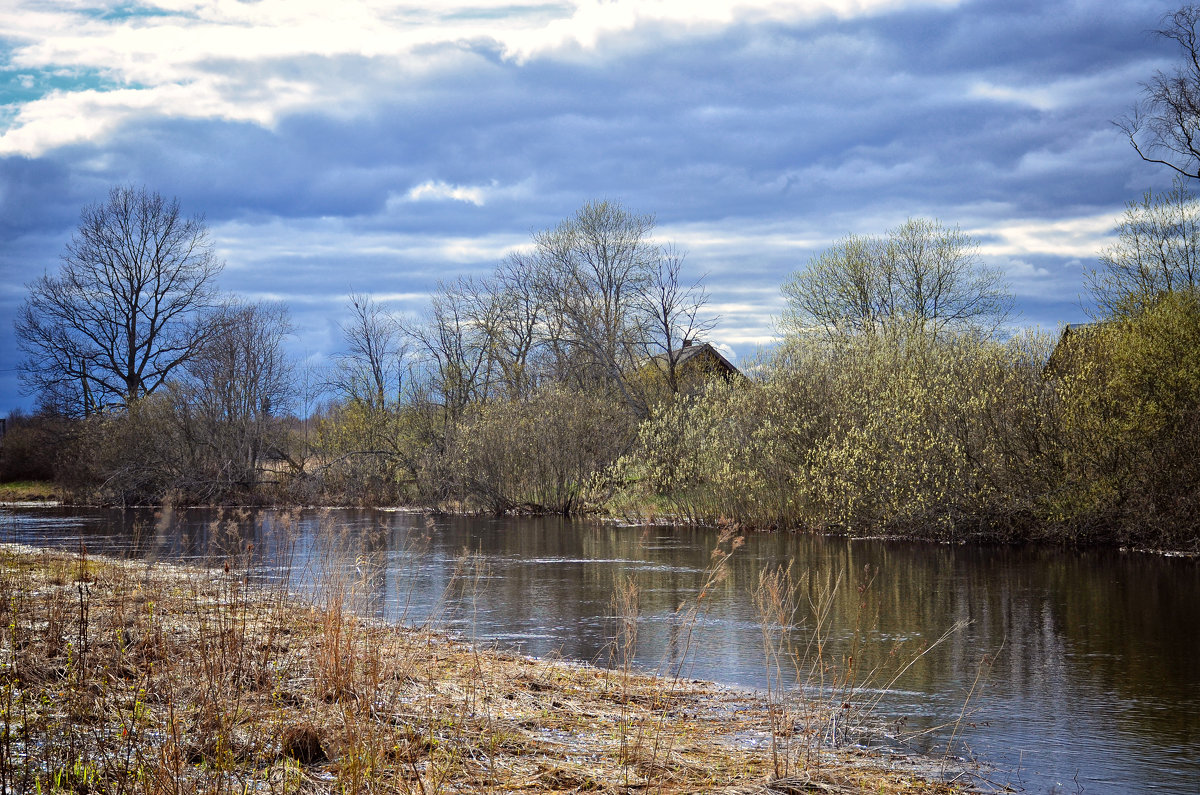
{"x":1042,"y":669}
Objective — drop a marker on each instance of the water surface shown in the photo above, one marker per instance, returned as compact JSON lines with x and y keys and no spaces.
{"x":1072,"y":672}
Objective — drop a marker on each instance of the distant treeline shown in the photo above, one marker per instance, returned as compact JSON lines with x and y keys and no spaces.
{"x":894,"y":404}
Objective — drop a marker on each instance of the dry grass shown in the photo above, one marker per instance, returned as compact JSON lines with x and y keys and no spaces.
{"x":123,"y":677}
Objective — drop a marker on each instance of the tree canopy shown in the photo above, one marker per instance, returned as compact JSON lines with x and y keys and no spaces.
{"x":921,"y":277}
{"x":1157,"y":251}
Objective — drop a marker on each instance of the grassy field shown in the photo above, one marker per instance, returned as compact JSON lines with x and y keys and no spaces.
{"x":126,"y":677}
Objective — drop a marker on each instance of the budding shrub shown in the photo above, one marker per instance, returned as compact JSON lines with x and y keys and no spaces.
{"x":904,"y":434}
{"x":1131,"y":429}
{"x":537,"y":453}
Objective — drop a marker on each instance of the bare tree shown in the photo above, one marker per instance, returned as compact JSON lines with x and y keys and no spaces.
{"x":521,"y":324}
{"x":454,"y":348}
{"x":118,"y":318}
{"x":844,"y":290}
{"x":923,"y":278}
{"x":1157,"y":251}
{"x":372,"y":367}
{"x":1164,"y":127}
{"x":940,"y":283}
{"x":674,"y":311}
{"x":594,"y":270}
{"x":237,"y":388}
{"x":363,"y":441}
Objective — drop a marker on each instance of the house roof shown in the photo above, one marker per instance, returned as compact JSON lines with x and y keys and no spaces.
{"x":689,"y":352}
{"x":1076,"y":328}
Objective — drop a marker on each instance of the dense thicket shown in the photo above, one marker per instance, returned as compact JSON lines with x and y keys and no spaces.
{"x":1130,"y":402}
{"x":887,"y":423}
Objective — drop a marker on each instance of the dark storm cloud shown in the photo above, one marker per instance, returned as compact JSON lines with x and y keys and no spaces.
{"x":35,"y":196}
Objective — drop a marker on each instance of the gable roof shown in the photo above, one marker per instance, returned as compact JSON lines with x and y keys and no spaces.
{"x":691,"y":351}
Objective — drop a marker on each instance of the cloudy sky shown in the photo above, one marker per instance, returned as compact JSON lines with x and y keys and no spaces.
{"x":376,"y":146}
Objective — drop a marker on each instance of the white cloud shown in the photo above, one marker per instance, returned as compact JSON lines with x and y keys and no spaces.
{"x":595,"y":18}
{"x":1082,"y":237}
{"x":441,"y":191}
{"x":247,"y":247}
{"x":1020,"y":269}
{"x":190,"y":62}
{"x":435,"y":190}
{"x":1041,"y":98}
{"x":62,"y":117}
{"x":1029,"y":281}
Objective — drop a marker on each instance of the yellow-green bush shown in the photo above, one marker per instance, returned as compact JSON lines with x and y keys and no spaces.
{"x":1131,"y":428}
{"x":933,"y":438}
{"x":908,"y":435}
{"x":363,"y":454}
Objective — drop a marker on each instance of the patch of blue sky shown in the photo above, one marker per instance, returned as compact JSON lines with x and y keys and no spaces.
{"x":19,"y":86}
{"x":129,"y":11}
{"x":531,"y":10}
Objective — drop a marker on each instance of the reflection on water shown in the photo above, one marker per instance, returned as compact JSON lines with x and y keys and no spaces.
{"x":1095,"y":684}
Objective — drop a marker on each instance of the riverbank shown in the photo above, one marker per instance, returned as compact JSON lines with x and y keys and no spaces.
{"x":38,"y":491}
{"x":43,"y":494}
{"x":134,"y":677}
{"x":643,"y":514}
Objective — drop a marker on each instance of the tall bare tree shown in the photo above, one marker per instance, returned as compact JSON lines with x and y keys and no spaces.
{"x":844,"y":290}
{"x":238,"y":386}
{"x":521,"y":326}
{"x":119,"y":317}
{"x":595,"y":268}
{"x":453,"y":345}
{"x":939,"y":281}
{"x":675,"y":312}
{"x":372,"y":368}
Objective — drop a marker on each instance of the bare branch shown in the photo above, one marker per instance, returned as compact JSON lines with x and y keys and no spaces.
{"x":1164,"y":127}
